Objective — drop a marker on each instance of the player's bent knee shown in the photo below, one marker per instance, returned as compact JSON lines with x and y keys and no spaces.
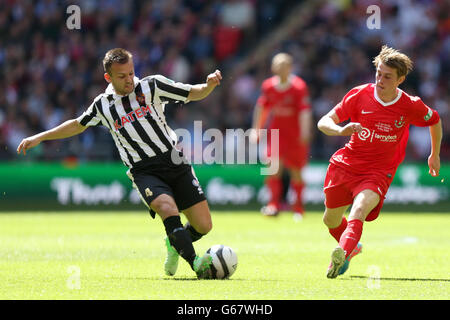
{"x":164,"y":206}
{"x":331,"y":221}
{"x":332,"y":218}
{"x":326,"y":220}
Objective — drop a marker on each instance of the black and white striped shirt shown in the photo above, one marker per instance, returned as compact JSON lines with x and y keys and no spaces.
{"x":137,"y":122}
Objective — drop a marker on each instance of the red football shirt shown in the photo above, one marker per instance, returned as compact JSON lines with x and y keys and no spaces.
{"x":382,"y":143}
{"x":285,"y":103}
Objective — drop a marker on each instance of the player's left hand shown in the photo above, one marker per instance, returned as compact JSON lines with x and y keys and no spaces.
{"x":434,"y":163}
{"x":214,"y":78}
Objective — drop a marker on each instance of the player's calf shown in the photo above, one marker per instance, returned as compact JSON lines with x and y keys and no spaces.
{"x":179,"y":239}
{"x":195,"y":235}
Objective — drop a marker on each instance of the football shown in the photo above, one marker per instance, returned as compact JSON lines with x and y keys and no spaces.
{"x":224,"y":261}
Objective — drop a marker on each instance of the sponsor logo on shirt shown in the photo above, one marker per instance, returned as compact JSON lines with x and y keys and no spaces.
{"x":132,"y":116}
{"x":364,"y":134}
{"x":367,"y":134}
{"x":385,"y":138}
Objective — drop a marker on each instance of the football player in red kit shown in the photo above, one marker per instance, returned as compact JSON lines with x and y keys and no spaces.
{"x":284,"y":105}
{"x":360,"y":173}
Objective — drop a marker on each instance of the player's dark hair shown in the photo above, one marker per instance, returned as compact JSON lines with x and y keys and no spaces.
{"x":117,"y":55}
{"x":394,"y":59}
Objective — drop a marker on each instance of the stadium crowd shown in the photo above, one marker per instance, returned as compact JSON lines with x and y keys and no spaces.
{"x":51,"y":73}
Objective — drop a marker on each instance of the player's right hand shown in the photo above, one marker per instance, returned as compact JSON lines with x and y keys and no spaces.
{"x":26,"y":144}
{"x":351,"y":128}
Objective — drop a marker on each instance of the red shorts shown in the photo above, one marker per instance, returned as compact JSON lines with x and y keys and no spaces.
{"x":293,"y":156}
{"x":341,"y":187}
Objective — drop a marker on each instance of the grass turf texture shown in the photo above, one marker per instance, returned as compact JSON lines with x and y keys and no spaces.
{"x":91,"y":255}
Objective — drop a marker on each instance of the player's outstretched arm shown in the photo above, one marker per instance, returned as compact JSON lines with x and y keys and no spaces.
{"x":201,"y":91}
{"x":328,"y":124}
{"x":65,"y":130}
{"x":434,"y":161}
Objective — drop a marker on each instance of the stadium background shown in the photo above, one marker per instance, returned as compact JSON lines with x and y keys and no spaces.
{"x":50,"y":73}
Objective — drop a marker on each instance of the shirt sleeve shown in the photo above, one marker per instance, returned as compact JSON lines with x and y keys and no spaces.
{"x":304,"y":102}
{"x":262,"y":99}
{"x":422,"y":115}
{"x":345,"y":107}
{"x":90,"y":117}
{"x":169,"y":90}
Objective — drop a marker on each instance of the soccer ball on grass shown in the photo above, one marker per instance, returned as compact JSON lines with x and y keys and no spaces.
{"x":224,"y":261}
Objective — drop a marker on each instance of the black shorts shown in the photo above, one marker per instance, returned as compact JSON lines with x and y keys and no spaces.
{"x":162,"y":176}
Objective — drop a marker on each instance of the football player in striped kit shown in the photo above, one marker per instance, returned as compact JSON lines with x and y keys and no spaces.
{"x":133,"y":111}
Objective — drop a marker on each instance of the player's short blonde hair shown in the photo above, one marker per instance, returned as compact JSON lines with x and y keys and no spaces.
{"x":394,"y":59}
{"x":282,"y":57}
{"x":118,"y":55}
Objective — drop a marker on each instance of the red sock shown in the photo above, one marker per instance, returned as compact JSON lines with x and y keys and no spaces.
{"x":275,"y":187}
{"x":350,"y":237}
{"x":298,"y":204}
{"x":337,"y":232}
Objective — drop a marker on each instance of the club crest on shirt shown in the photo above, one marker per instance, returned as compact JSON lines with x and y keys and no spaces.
{"x":428,"y":115}
{"x":399,"y":123}
{"x":140,"y":99}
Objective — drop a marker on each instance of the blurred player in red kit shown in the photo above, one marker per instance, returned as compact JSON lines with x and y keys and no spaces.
{"x":360,"y":173}
{"x":284,"y":105}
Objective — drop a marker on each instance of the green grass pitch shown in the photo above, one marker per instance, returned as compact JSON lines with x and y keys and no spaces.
{"x":95,"y":255}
